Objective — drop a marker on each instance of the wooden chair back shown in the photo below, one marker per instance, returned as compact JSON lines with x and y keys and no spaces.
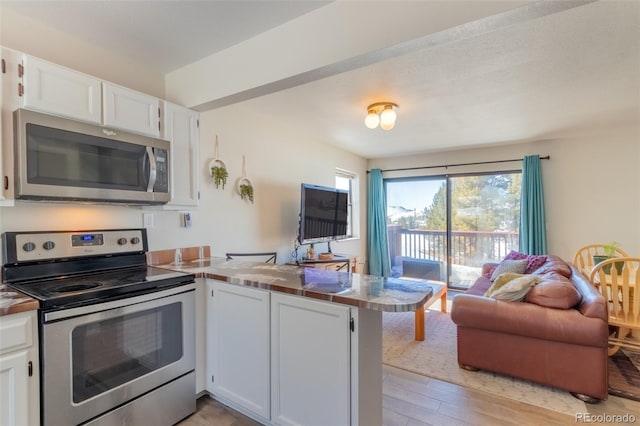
{"x":617,"y":279}
{"x":583,"y":260}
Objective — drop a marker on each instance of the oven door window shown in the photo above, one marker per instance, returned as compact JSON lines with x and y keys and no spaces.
{"x":109,"y":353}
{"x":63,"y":158}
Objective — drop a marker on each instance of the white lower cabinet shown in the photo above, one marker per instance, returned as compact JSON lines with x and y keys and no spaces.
{"x":310,"y":365}
{"x":291,"y":360}
{"x":238,"y":346}
{"x":19,"y":372}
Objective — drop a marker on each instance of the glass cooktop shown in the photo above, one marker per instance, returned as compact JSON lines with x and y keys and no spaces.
{"x":96,"y":287}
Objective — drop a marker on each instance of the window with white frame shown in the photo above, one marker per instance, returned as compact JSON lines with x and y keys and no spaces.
{"x":346,"y":180}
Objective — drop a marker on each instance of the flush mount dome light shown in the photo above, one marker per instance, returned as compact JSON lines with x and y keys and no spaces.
{"x":382,"y":113}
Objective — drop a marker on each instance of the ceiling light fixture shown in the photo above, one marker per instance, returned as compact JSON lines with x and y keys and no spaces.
{"x":382,"y":113}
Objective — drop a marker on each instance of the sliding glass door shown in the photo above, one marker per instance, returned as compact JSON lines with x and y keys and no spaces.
{"x":451,"y":225}
{"x":417,"y":235}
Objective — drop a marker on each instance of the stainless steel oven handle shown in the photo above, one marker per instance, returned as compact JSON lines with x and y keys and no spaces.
{"x":90,"y":309}
{"x":153,"y":169}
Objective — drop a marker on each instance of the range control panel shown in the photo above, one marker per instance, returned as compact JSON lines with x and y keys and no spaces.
{"x":34,"y":246}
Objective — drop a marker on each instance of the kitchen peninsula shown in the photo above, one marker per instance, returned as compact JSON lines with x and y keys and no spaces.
{"x":293,"y":345}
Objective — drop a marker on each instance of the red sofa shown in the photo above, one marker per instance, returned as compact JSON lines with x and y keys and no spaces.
{"x":557,"y":336}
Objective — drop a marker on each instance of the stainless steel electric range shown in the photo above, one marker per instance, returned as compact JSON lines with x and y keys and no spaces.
{"x":117,"y":343}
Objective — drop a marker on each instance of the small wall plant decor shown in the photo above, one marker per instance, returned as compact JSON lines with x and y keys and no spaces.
{"x":218,"y":170}
{"x":246,"y":191}
{"x":245,"y":187}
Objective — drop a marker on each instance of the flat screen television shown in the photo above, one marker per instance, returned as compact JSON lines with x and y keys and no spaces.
{"x":323,"y":214}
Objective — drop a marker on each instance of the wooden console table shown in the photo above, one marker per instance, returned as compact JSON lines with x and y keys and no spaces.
{"x":340,"y":262}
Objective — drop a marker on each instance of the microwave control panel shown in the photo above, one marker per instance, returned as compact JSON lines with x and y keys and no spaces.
{"x":162,"y":170}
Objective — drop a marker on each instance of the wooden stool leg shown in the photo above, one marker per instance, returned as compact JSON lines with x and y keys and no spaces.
{"x":419,"y":327}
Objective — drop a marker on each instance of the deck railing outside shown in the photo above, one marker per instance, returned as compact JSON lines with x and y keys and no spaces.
{"x":469,"y":248}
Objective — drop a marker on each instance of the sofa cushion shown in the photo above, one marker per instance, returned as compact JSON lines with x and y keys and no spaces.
{"x":554,"y":291}
{"x":515,"y":289}
{"x":509,"y":265}
{"x":554,"y":264}
{"x":480,"y":287}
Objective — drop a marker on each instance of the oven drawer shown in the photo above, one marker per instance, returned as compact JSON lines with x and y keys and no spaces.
{"x":16,"y":331}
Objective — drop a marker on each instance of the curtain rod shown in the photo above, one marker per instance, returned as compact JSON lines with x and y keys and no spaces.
{"x":459,"y":164}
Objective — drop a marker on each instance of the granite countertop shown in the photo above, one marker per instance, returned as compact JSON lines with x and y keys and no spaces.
{"x":362,"y":291}
{"x":12,"y":302}
{"x":359,"y":290}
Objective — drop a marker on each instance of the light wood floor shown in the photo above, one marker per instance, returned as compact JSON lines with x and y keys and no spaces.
{"x":413,"y":400}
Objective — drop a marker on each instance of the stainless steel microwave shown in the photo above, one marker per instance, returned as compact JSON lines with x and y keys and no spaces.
{"x":61,"y":159}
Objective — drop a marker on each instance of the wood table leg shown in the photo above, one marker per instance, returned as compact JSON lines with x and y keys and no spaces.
{"x":419,"y":327}
{"x":443,"y":301}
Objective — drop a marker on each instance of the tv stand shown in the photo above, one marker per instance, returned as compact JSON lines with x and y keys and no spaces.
{"x":340,"y":262}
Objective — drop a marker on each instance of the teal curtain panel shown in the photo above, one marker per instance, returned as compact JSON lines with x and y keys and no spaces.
{"x":378,"y":246}
{"x":533,"y":226}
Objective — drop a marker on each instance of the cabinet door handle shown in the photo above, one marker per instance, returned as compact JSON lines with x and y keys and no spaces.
{"x":30,"y":368}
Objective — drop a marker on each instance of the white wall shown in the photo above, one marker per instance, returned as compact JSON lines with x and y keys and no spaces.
{"x":277,"y":162}
{"x":591,"y":184}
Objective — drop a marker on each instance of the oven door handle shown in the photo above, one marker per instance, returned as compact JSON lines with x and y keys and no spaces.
{"x":114,"y":304}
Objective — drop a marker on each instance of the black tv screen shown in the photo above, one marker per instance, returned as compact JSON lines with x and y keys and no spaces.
{"x":323,"y":214}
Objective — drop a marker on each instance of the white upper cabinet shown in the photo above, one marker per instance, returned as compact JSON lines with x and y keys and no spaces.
{"x":130,"y":110}
{"x":180,"y":127}
{"x":60,"y":91}
{"x":10,"y":85}
{"x":3,"y":80}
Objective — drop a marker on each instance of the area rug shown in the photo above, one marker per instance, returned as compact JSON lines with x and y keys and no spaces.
{"x":436,"y":357}
{"x":624,"y":374}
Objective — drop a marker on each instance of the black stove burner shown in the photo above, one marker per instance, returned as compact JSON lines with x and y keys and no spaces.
{"x":76,"y":287}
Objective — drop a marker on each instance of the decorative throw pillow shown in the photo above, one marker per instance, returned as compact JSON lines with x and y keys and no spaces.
{"x":515,"y":255}
{"x":507,"y":265}
{"x":533,"y":261}
{"x":500,"y":281}
{"x":516,"y":289}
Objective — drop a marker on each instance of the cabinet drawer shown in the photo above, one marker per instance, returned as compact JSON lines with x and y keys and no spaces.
{"x":16,"y":331}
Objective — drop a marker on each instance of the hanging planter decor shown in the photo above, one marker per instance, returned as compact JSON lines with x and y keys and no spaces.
{"x":245,"y":187}
{"x":218,"y":169}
